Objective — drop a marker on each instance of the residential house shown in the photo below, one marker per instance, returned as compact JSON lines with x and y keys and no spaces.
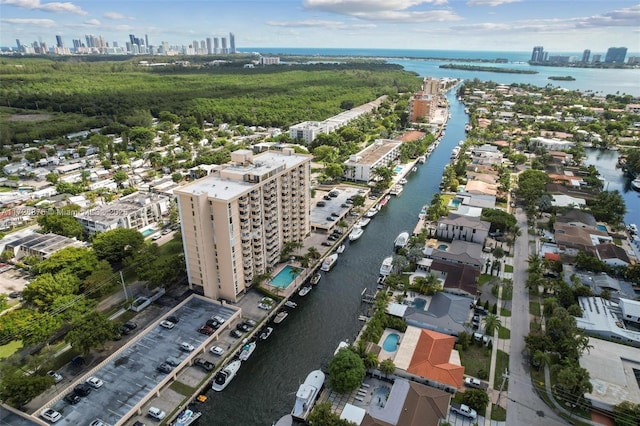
{"x":612,"y":254}
{"x":598,"y":319}
{"x":571,"y":239}
{"x":579,"y":218}
{"x":467,"y":228}
{"x":630,"y":310}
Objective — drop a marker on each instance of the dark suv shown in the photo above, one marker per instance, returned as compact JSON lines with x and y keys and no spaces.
{"x":83,"y":389}
{"x":72,"y":398}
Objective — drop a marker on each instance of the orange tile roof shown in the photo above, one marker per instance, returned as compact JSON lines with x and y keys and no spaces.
{"x":552,"y":256}
{"x":431,"y":359}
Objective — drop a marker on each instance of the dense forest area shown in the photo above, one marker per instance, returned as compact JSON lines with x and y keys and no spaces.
{"x":78,"y":95}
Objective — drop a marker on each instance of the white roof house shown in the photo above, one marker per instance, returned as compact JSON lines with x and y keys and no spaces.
{"x":598,"y":319}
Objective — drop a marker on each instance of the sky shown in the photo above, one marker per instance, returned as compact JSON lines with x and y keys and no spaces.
{"x":483,"y":25}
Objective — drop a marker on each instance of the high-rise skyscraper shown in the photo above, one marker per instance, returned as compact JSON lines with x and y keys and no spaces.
{"x":216,"y":45}
{"x":232,"y":43}
{"x":235,"y":222}
{"x":209,"y":46}
{"x":225,"y":50}
{"x":59,"y":42}
{"x":538,"y":54}
{"x":18,"y":45}
{"x":146,"y":40}
{"x":585,"y":55}
{"x":615,"y":55}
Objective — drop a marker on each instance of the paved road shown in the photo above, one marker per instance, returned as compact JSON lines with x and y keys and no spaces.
{"x":524,"y":406}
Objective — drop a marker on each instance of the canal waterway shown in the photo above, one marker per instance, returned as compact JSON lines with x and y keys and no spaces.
{"x":614,"y":179}
{"x":264,"y":388}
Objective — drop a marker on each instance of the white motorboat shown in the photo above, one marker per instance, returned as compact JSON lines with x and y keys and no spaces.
{"x":362,"y":223}
{"x":402,"y":181}
{"x":315,"y":279}
{"x":635,"y":184}
{"x":341,"y":248}
{"x":290,"y":304}
{"x":355,"y":233}
{"x":396,"y":190}
{"x":401,"y":240}
{"x":247,"y":350}
{"x":224,"y":376}
{"x":387,"y":266}
{"x":329,"y":262}
{"x":632,"y":228}
{"x":307,"y":394}
{"x":342,"y":345}
{"x":280,"y":317}
{"x":187,"y":417}
{"x":266,"y":333}
{"x":371,"y":212}
{"x":304,"y":290}
{"x":422,"y":159}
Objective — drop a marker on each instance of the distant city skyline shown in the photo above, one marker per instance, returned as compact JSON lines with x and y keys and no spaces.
{"x":485,"y":25}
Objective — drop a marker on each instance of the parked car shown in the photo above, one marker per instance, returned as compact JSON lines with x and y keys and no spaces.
{"x":213,"y":324}
{"x":251,"y":323}
{"x":235,"y":333}
{"x":330,"y":218}
{"x":166,"y":231}
{"x":472,"y":382}
{"x":83,"y":389}
{"x":156,"y":413}
{"x":327,"y":198}
{"x":94,"y":382}
{"x":99,"y":422}
{"x":334,"y":193}
{"x":174,"y":319}
{"x":204,"y":364}
{"x":335,"y":214}
{"x":187,"y":347}
{"x":50,"y":415}
{"x":57,"y":377}
{"x":72,"y":398}
{"x":216,"y":350}
{"x":205,"y":329}
{"x":128,"y":327}
{"x":218,"y":318}
{"x":321,"y":204}
{"x":167,"y":324}
{"x":243,"y":327}
{"x":156,"y":237}
{"x":164,"y":368}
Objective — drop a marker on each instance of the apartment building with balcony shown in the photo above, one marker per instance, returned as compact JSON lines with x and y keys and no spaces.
{"x":382,"y":153}
{"x":236,"y":220}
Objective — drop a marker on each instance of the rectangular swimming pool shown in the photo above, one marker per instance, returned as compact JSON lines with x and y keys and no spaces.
{"x":286,"y":276}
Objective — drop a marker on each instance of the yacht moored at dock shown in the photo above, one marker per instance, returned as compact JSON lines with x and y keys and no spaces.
{"x":422,"y":159}
{"x":304,"y":290}
{"x":329,"y":262}
{"x":290,"y":304}
{"x":371,"y":212}
{"x":307,"y":394}
{"x":187,"y":417}
{"x":387,"y":266}
{"x":285,"y":420}
{"x":635,"y":184}
{"x":266,"y":333}
{"x":355,"y":233}
{"x":396,"y":190}
{"x":224,"y":376}
{"x":247,"y":350}
{"x":280,"y":317}
{"x":341,"y":249}
{"x":363,"y":222}
{"x":401,"y":240}
{"x":315,"y":279}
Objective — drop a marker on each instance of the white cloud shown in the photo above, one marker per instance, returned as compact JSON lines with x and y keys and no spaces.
{"x":29,"y":21}
{"x":59,"y":7}
{"x":116,"y":16}
{"x":334,"y":25}
{"x":384,"y":10}
{"x":491,"y":3}
{"x":91,"y":23}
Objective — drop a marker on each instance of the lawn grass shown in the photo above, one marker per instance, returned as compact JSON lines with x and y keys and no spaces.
{"x":474,"y":359}
{"x":5,"y":189}
{"x":182,"y":389}
{"x":502,"y":364}
{"x":508,"y":268}
{"x":498,"y":413}
{"x":505,"y":312}
{"x":504,"y":333}
{"x":484,"y":278}
{"x":10,"y":348}
{"x":534,"y":308}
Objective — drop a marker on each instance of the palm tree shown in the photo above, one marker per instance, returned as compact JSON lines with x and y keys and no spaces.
{"x":491,"y":323}
{"x":541,"y":359}
{"x":313,"y":253}
{"x":371,"y":361}
{"x":387,"y":367}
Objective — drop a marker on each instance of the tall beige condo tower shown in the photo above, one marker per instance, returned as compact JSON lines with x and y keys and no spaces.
{"x":236,"y":220}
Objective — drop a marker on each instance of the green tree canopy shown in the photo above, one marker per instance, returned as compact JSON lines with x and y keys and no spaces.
{"x":90,"y":331}
{"x":476,"y":399}
{"x":346,"y":371}
{"x":323,"y":416}
{"x":56,"y":223}
{"x":46,"y":288}
{"x":117,"y":244}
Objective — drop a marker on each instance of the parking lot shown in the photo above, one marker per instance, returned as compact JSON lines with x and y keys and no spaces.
{"x":131,"y":377}
{"x":331,"y":209}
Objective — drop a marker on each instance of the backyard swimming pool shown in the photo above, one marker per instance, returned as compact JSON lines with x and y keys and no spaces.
{"x":602,"y":228}
{"x":391,"y":342}
{"x":419,"y":303}
{"x":286,"y":276}
{"x":398,"y":169}
{"x":147,"y":232}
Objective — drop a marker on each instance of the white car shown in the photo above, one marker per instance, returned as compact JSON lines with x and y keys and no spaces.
{"x":167,"y":324}
{"x":57,"y":377}
{"x":98,"y":422}
{"x":94,"y":382}
{"x":50,"y":415}
{"x":156,"y":413}
{"x":187,"y":347}
{"x":472,"y":382}
{"x":218,"y":318}
{"x":216,"y":350}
